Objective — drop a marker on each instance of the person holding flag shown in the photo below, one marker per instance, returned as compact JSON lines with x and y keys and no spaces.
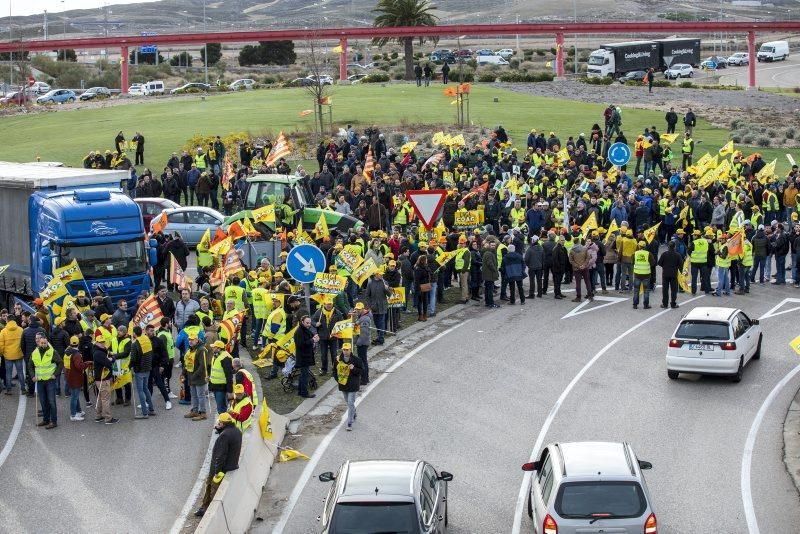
{"x":348,"y":376}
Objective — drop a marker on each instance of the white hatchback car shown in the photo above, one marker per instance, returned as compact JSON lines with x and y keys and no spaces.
{"x":714,"y":341}
{"x":681,"y":70}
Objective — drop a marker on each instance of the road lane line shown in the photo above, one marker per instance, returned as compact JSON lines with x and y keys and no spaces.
{"x":305,"y":476}
{"x":747,"y":455}
{"x":12,"y":438}
{"x":554,"y":410}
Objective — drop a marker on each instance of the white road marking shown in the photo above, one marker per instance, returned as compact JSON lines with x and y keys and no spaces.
{"x":177,"y":526}
{"x":774,"y":311}
{"x":747,"y":455}
{"x":12,"y":438}
{"x":323,"y":446}
{"x":609,"y":301}
{"x":554,"y":410}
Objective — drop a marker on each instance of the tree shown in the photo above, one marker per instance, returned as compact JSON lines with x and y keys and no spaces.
{"x":267,"y":53}
{"x":69,"y":54}
{"x":214,"y":53}
{"x":184,"y":59}
{"x":396,"y":13}
{"x":317,"y":89}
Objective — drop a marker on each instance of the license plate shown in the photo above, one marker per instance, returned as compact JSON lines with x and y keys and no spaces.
{"x":698,"y":346}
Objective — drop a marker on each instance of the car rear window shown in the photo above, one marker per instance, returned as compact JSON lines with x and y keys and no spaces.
{"x":703,"y":330}
{"x":593,"y":499}
{"x":371,"y":517}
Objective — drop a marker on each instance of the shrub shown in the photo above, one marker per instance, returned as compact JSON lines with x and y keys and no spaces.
{"x":472,"y":62}
{"x":736,"y":123}
{"x":394,"y":55}
{"x":487,"y":77}
{"x":384,"y":67}
{"x":376,"y":57}
{"x":375,"y":77}
{"x":462,"y":75}
{"x":763,"y":141}
{"x":736,"y":138}
{"x":527,"y":65}
{"x":605,"y":80}
{"x":399,"y":75}
{"x":633,"y":83}
{"x":514,"y":64}
{"x":661,"y":83}
{"x":789,"y":133}
{"x":687,"y":85}
{"x":540,"y":52}
{"x":772,"y":133}
{"x":517,"y":77}
{"x":747,"y":139}
{"x":528,"y":51}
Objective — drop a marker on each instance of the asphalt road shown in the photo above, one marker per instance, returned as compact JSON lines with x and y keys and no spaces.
{"x":474,"y":401}
{"x":778,"y":74}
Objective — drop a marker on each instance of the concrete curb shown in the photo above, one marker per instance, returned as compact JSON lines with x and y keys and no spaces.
{"x":324,"y":389}
{"x":791,"y":440}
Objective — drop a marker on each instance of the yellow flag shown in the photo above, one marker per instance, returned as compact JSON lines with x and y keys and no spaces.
{"x":667,"y":139}
{"x":727,"y":149}
{"x":302,"y":238}
{"x":337,"y":49}
{"x":611,"y":229}
{"x":263,"y":422}
{"x":221,"y":248}
{"x":205,"y":241}
{"x":408,"y":147}
{"x":795,"y":344}
{"x":321,"y":228}
{"x":766,"y":173}
{"x":364,"y":271}
{"x":287,"y":455}
{"x":683,"y":275}
{"x":286,"y":342}
{"x":589,"y":224}
{"x":612,"y":175}
{"x":563,"y":154}
{"x":444,"y":257}
{"x":249,"y":228}
{"x":69,"y":272}
{"x":343,"y":330}
{"x":264,"y":214}
{"x":650,"y":233}
{"x":440,"y":229}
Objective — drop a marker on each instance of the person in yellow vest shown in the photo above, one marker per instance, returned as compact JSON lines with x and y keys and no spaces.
{"x":461,"y":265}
{"x":205,"y":310}
{"x":244,"y":377}
{"x":196,"y":363}
{"x":745,"y":264}
{"x":275,"y":328}
{"x":82,"y":302}
{"x":723,"y":263}
{"x":260,"y":306}
{"x":122,"y":359}
{"x":47,"y":363}
{"x":242,"y":409}
{"x":204,"y":257}
{"x":687,"y":149}
{"x":643,"y":264}
{"x":698,"y":259}
{"x":221,"y":378}
{"x":517,"y":214}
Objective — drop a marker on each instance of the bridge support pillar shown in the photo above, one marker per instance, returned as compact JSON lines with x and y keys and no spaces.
{"x":123,"y":69}
{"x":343,"y":59}
{"x":751,"y":66}
{"x":560,"y":56}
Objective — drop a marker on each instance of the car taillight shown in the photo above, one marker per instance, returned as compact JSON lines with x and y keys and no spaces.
{"x":675,"y":344}
{"x":651,"y":525}
{"x":549,"y":525}
{"x":729,"y":345}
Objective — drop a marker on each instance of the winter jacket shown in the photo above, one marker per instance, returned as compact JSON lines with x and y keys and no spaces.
{"x":304,"y":345}
{"x":28,"y":342}
{"x":514,"y":267}
{"x":670,"y":263}
{"x":718,"y":215}
{"x":183,"y":311}
{"x":323,"y":324}
{"x":225,"y":455}
{"x":364,"y":322}
{"x":354,"y":377}
{"x":202,"y":361}
{"x":560,"y":259}
{"x":74,"y":375}
{"x":489,"y":269}
{"x":376,"y":295}
{"x":141,"y":361}
{"x":102,"y":363}
{"x":534,"y":257}
{"x":760,"y":244}
{"x":579,"y":257}
{"x":59,"y":339}
{"x":11,"y":341}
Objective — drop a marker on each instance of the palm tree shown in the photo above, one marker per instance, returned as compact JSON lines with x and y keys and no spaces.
{"x":396,"y":13}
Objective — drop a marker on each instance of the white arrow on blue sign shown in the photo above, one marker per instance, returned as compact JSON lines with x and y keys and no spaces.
{"x":304,"y":262}
{"x":619,"y":154}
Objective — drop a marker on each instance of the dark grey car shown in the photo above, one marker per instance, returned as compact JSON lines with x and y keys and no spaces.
{"x":385,"y":496}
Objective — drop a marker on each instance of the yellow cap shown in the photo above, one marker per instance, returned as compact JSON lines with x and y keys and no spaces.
{"x":238,"y":388}
{"x":74,"y":341}
{"x":192,"y":337}
{"x":218,"y":344}
{"x":392,"y":263}
{"x":81,"y":293}
{"x":252,"y":274}
{"x":104,"y":317}
{"x":347,"y":346}
{"x":359,"y":306}
{"x":224,"y":417}
{"x":642,"y":244}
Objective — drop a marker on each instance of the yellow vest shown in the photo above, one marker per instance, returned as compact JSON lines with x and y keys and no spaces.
{"x":723,"y":262}
{"x":201,"y":315}
{"x":260,"y":302}
{"x":687,"y":146}
{"x":43,"y":363}
{"x":277,"y":316}
{"x":747,"y":254}
{"x":237,"y":294}
{"x":641,"y":262}
{"x":217,"y":372}
{"x":200,"y":161}
{"x":700,"y":252}
{"x":501,"y":247}
{"x":459,"y":264}
{"x":243,"y":425}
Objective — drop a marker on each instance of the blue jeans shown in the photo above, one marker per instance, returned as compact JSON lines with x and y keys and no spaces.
{"x":780,"y":269}
{"x":768,"y":268}
{"x":302,"y":386}
{"x":20,"y":366}
{"x":723,"y":281}
{"x":350,"y":399}
{"x":641,"y":283}
{"x":222,"y":401}
{"x":362,"y":354}
{"x":408,"y":285}
{"x":74,"y":402}
{"x":432,"y":300}
{"x":380,"y":325}
{"x":488,"y":292}
{"x":200,"y":398}
{"x":142,"y":393}
{"x":758,"y":262}
{"x":47,"y":399}
{"x":258,"y":326}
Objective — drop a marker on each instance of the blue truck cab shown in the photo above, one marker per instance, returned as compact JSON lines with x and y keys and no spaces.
{"x":71,"y":214}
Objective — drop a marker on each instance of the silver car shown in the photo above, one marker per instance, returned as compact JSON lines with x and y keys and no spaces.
{"x":192,"y":222}
{"x":386,"y":496}
{"x":589,"y":487}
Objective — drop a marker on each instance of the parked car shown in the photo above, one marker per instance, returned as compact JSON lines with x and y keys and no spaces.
{"x":633,"y":76}
{"x":505,"y":53}
{"x":722,"y":62}
{"x":39,"y":88}
{"x":57,"y":96}
{"x":385,"y":496}
{"x":324,"y":79}
{"x":680,"y":70}
{"x":17,"y":98}
{"x":739,"y":58}
{"x":136,"y":89}
{"x":152,"y":206}
{"x":244,"y":83}
{"x":154,"y":87}
{"x":193,"y":87}
{"x":484,"y":52}
{"x":714,"y":341}
{"x":192,"y":222}
{"x":463,"y":53}
{"x":773,"y":51}
{"x":443,"y":56}
{"x":355,"y":78}
{"x":96,"y":93}
{"x":589,"y":487}
{"x":299,"y":82}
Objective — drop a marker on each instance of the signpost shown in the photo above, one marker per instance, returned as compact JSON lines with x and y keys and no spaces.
{"x":303,"y":263}
{"x":619,"y":154}
{"x":427,"y":204}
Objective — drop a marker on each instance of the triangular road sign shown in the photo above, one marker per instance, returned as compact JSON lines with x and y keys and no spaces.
{"x":774,"y":311}
{"x":427,"y":204}
{"x":579,"y":309}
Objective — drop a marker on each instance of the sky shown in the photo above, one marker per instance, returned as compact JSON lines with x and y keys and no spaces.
{"x":32,"y":7}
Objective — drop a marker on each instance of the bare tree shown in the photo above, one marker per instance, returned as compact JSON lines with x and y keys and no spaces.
{"x":317,"y":88}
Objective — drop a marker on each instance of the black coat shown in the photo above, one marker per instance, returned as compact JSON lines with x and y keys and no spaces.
{"x":354,"y":378}
{"x":225,"y":456}
{"x":304,"y":345}
{"x":28,"y":341}
{"x":670,"y":263}
{"x":560,"y":259}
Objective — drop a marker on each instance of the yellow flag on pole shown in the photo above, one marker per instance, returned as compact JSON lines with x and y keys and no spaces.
{"x":321,"y":228}
{"x":287,"y":455}
{"x":766,"y":173}
{"x":589,"y":224}
{"x":650,"y":233}
{"x":727,"y":149}
{"x":611,"y":229}
{"x":263,"y":422}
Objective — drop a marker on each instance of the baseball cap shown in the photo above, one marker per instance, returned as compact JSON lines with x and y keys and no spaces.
{"x":347,"y":346}
{"x":218,"y":344}
{"x":224,"y":417}
{"x":74,"y":341}
{"x":238,"y":388}
{"x":359,"y":306}
{"x":104,"y":317}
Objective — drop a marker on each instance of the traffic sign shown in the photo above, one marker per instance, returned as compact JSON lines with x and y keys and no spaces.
{"x":619,"y":154}
{"x":427,"y":204}
{"x":304,"y":262}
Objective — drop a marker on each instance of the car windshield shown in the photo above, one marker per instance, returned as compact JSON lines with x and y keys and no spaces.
{"x":600,"y":499}
{"x":374,"y":517}
{"x":109,"y":259}
{"x":596,"y":60}
{"x":703,"y":330}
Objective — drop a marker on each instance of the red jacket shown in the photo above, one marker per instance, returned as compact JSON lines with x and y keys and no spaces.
{"x":75,"y":372}
{"x":244,"y":414}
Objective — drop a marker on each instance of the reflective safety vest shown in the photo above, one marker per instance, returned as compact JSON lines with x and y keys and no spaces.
{"x":517,"y":216}
{"x":568,"y":244}
{"x":747,"y":254}
{"x":243,"y":425}
{"x":200,"y":161}
{"x":723,"y":262}
{"x":190,"y":359}
{"x":756,"y":219}
{"x":277,"y":316}
{"x":193,"y":331}
{"x":237,"y":294}
{"x":700,"y":252}
{"x":110,"y":337}
{"x":459,"y":263}
{"x":249,"y":285}
{"x":687,"y":146}
{"x":43,"y":363}
{"x":204,"y":257}
{"x":500,"y":248}
{"x":641,"y":262}
{"x":124,"y":363}
{"x":217,"y":372}
{"x":401,"y":217}
{"x":201,"y":315}
{"x":169,"y":342}
{"x":260,"y":296}
{"x":662,"y":206}
{"x":254,"y":396}
{"x":772,"y":201}
{"x":737,"y":221}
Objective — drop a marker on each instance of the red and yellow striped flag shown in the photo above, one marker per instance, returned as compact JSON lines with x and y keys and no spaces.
{"x":148,"y":313}
{"x":369,"y":167}
{"x":176,"y":274}
{"x":232,"y":264}
{"x":279,"y":150}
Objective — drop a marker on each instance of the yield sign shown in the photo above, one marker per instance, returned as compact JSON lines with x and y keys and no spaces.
{"x":427,"y":204}
{"x":579,"y":309}
{"x":774,"y":311}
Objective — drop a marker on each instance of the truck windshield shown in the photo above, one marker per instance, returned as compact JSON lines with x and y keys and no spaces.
{"x":596,"y":60}
{"x":107,"y":260}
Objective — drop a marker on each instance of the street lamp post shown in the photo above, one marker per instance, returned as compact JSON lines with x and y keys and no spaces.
{"x":205,"y":46}
{"x":575,"y":21}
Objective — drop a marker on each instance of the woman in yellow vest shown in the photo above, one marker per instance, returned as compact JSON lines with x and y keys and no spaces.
{"x":46,"y":364}
{"x":745,"y":264}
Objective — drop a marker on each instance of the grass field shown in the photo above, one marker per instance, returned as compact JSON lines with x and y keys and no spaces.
{"x":167,"y":124}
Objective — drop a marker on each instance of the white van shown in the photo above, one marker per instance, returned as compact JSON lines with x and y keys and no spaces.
{"x":491,"y":60}
{"x":773,"y":51}
{"x":155,"y":87}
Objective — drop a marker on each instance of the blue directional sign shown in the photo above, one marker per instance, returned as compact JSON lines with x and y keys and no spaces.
{"x":619,"y":154}
{"x":304,"y":262}
{"x":148,"y":49}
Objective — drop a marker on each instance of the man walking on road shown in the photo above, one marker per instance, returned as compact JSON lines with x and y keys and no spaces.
{"x":196,"y":364}
{"x":47,"y":364}
{"x":348,"y":371}
{"x":224,"y":458}
{"x":670,"y":263}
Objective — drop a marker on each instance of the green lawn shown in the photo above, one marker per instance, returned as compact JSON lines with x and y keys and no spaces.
{"x":168,"y":123}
